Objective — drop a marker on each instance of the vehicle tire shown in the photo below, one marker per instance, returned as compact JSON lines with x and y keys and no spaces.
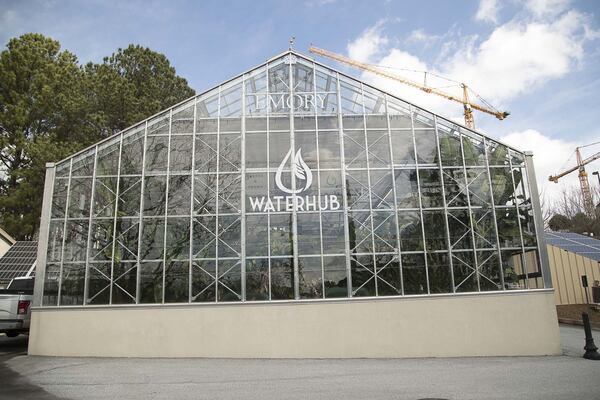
{"x":12,"y":334}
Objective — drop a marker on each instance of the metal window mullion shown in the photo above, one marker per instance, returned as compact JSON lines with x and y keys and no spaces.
{"x":87,"y":248}
{"x":243,"y":192}
{"x":389,"y":131}
{"x":537,"y":220}
{"x":139,"y":250}
{"x":217,"y":194}
{"x":373,"y":258}
{"x":164,"y":266}
{"x":112,"y":261}
{"x":523,"y":260}
{"x":344,"y":189}
{"x":412,"y":125}
{"x":62,"y":250}
{"x":294,"y":211}
{"x":468,"y":187}
{"x":192,"y":178}
{"x":268,"y":180}
{"x":446,"y":213}
{"x":319,"y":183}
{"x":44,"y":235}
{"x":489,"y":172}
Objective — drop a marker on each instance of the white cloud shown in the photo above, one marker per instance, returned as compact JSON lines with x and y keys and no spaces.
{"x":550,"y":156}
{"x":545,"y":8}
{"x":518,"y":56}
{"x":419,"y":36}
{"x":369,"y":44}
{"x":488,"y":11}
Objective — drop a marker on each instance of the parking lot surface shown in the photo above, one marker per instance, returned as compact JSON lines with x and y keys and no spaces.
{"x":562,"y":377}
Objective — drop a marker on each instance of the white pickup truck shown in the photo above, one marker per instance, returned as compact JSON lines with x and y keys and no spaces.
{"x":15,"y":306}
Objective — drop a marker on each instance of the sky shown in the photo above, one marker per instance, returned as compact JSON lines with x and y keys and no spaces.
{"x":538,"y":59}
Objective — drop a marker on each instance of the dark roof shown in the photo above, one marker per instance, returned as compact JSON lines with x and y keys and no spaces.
{"x":17,"y":260}
{"x":585,"y":246}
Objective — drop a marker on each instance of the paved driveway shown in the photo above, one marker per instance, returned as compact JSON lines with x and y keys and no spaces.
{"x":563,"y":377}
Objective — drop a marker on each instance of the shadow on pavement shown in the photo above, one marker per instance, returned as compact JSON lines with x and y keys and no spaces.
{"x":14,"y":386}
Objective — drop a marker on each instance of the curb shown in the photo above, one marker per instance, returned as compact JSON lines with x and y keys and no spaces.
{"x":577,"y":322}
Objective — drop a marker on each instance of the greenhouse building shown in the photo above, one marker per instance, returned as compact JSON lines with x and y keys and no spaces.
{"x":293,"y":211}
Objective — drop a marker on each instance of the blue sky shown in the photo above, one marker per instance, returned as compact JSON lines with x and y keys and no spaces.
{"x":538,"y":59}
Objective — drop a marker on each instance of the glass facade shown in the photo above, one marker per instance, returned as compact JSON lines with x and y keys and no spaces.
{"x":289,"y":182}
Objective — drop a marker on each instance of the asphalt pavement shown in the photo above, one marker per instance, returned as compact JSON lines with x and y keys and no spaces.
{"x":560,"y":377}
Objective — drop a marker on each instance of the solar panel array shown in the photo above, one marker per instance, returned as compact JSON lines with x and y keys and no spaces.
{"x":574,"y":242}
{"x":17,"y":260}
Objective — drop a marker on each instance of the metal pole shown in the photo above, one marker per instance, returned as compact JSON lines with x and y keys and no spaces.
{"x":591,"y":351}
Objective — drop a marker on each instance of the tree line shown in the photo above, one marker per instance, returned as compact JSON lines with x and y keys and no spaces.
{"x":52,"y":106}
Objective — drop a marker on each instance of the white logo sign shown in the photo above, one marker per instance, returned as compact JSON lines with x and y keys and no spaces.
{"x":303,"y":175}
{"x":299,"y":169}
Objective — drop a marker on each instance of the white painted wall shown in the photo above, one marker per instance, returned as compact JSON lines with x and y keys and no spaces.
{"x":501,"y":324}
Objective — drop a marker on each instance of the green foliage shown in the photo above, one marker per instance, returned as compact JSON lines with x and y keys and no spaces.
{"x":51,"y":107}
{"x":580,"y":223}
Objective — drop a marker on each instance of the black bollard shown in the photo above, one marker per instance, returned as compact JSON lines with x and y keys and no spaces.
{"x":591,"y":351}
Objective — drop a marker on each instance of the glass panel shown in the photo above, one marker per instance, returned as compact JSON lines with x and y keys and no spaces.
{"x":76,"y":240}
{"x":229,"y":152}
{"x":51,"y":278}
{"x":479,"y":187}
{"x":257,"y":235}
{"x":203,"y":280}
{"x":204,"y":239}
{"x":155,"y":194}
{"x":101,"y":245}
{"x":71,"y":292}
{"x":426,"y":145}
{"x":414,"y":274}
{"x":407,"y":190}
{"x":230,"y":280}
{"x":98,"y":283}
{"x":389,"y":282}
{"x":363,"y":276}
{"x":355,"y":146}
{"x":129,"y":195}
{"x":489,"y":270}
{"x":181,"y":154}
{"x":379,"y":148}
{"x":80,"y":195}
{"x":459,"y":226}
{"x":108,"y":159}
{"x":257,"y":279}
{"x":176,"y":281}
{"x":55,"y":239}
{"x":465,"y":275}
{"x":502,"y":186}
{"x":59,"y":197}
{"x":159,"y":125}
{"x":310,"y":277}
{"x":329,"y":150}
{"x":512,"y":269}
{"x":126,"y":243}
{"x":282,"y":278}
{"x":435,"y":230}
{"x":359,"y":226}
{"x":178,"y":238}
{"x":182,"y":120}
{"x":152,"y":246}
{"x":124,"y":282}
{"x":508,"y":227}
{"x":151,"y":282}
{"x":411,"y":235}
{"x":206,"y":153}
{"x":229,"y":236}
{"x":256,"y":150}
{"x":308,"y":233}
{"x":179,"y":195}
{"x":403,"y":147}
{"x":455,"y":187}
{"x":384,"y":231}
{"x":333,"y":233}
{"x":205,"y":194}
{"x":157,"y":150}
{"x":132,"y":152}
{"x":439,"y":273}
{"x":281,"y":234}
{"x":336,"y":281}
{"x":105,"y":196}
{"x":431,"y":188}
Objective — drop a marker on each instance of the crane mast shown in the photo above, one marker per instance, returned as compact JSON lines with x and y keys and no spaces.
{"x":586,"y":193}
{"x":467,"y":105}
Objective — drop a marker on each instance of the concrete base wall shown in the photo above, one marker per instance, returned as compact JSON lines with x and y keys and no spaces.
{"x":503,"y":324}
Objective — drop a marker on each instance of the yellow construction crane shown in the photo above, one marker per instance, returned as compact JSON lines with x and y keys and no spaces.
{"x":467,"y":105}
{"x":588,"y":203}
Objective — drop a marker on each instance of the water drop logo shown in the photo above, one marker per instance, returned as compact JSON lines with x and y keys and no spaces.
{"x":299,"y":169}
